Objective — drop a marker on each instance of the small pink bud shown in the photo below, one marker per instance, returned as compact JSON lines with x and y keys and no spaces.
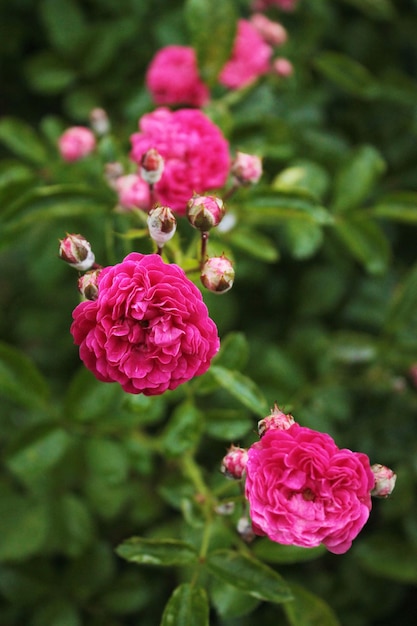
{"x":133,"y":192}
{"x":234,"y":463}
{"x":88,"y":284}
{"x":151,"y":166}
{"x":384,"y":481}
{"x":283,"y":67}
{"x":162,"y":224}
{"x":76,"y":142}
{"x":246,"y":168}
{"x":271,"y":32}
{"x":76,"y":251}
{"x":217,"y":274}
{"x":244,"y":528}
{"x":205,"y":212}
{"x":113,"y":171}
{"x":99,"y":121}
{"x":276,"y":420}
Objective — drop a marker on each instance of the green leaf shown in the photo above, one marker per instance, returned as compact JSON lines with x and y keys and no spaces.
{"x":213,"y":43}
{"x":365,"y":241}
{"x":403,"y":306}
{"x":377,"y":9}
{"x":36,"y":451}
{"x":242,"y":388}
{"x":303,"y":238}
{"x":65,"y":24}
{"x":13,"y":172}
{"x":356,"y":179}
{"x":275,"y":207}
{"x":276,"y":553}
{"x":48,"y":74}
{"x":20,"y":380}
{"x":72,"y":525}
{"x":188,"y":606}
{"x":234,"y":351}
{"x":249,"y":575}
{"x":399,"y":207}
{"x":304,"y":175}
{"x":347,"y":74}
{"x":229,"y":601}
{"x":183,"y":431}
{"x":56,"y":612}
{"x":390,"y":557}
{"x":88,"y":399}
{"x":308,"y":609}
{"x":161,"y":552}
{"x":23,"y":527}
{"x":254,"y":244}
{"x":107,"y":459}
{"x":228,"y":424}
{"x":21,"y":139}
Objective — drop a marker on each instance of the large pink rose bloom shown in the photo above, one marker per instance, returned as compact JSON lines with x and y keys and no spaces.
{"x":195,"y":153}
{"x":172,"y":77}
{"x":148,"y":330}
{"x":250,"y":58}
{"x":303,"y":490}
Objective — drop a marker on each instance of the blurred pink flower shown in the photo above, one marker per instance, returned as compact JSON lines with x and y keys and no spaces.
{"x":195,"y":153}
{"x":271,"y":32}
{"x":149,"y":329}
{"x":172,"y":77}
{"x":76,"y":142}
{"x":133,"y":192}
{"x":250,"y":58}
{"x":303,"y":490}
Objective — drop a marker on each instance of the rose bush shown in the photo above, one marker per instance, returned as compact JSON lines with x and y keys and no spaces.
{"x":195,"y":153}
{"x":303,"y":490}
{"x":148,"y":330}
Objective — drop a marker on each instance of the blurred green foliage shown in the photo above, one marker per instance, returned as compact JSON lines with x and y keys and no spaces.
{"x":322,"y":319}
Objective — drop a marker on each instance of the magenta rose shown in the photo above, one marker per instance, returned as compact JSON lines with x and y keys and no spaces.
{"x":148,"y":330}
{"x":250,"y":58}
{"x":172,"y":77}
{"x":195,"y":153}
{"x":303,"y":490}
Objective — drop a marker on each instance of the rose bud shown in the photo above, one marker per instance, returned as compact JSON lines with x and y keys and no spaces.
{"x":234,"y":463}
{"x":384,"y":481}
{"x":277,"y":419}
{"x":245,"y":530}
{"x":151,"y":166}
{"x":88,"y":284}
{"x":76,"y":251}
{"x":246,"y":168}
{"x":162,"y":224}
{"x":217,"y":274}
{"x":271,"y":32}
{"x":283,"y":67}
{"x":76,"y":142}
{"x":205,"y":212}
{"x":99,"y":121}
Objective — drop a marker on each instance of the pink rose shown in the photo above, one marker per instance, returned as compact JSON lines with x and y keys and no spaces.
{"x":148,"y":330}
{"x":76,"y":142}
{"x":133,"y":192}
{"x":172,"y":77}
{"x":250,"y":58}
{"x":303,"y":490}
{"x":195,"y":153}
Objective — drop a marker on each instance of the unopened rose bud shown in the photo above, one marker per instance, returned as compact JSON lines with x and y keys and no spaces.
{"x":283,"y":67}
{"x":384,"y":481}
{"x":88,"y":284}
{"x":234,"y":463}
{"x":151,"y":166}
{"x":99,"y":121}
{"x":244,"y":528}
{"x":162,"y":224}
{"x":76,"y":251}
{"x":271,"y":32}
{"x":246,"y":168}
{"x":205,"y":212}
{"x":112,"y":172}
{"x":217,"y":274}
{"x":76,"y":142}
{"x":276,"y":420}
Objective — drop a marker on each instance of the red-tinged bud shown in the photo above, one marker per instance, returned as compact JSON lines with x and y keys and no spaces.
{"x":244,"y":528}
{"x":151,"y":166}
{"x":76,"y":142}
{"x":384,"y":481}
{"x":276,"y":420}
{"x":234,"y":463}
{"x":217,"y":274}
{"x":205,"y":212}
{"x":99,"y":121}
{"x":76,"y":251}
{"x":246,"y":168}
{"x":162,"y":224}
{"x":271,"y":32}
{"x":88,"y":284}
{"x":283,"y":67}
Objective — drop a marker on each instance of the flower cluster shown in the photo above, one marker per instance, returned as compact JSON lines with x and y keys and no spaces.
{"x":149,"y":329}
{"x":302,"y":489}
